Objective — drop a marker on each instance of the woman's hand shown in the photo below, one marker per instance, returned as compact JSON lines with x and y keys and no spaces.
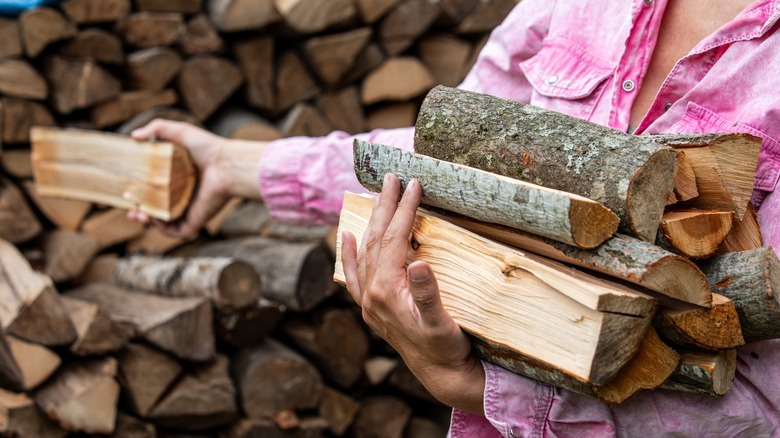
{"x":404,"y":306}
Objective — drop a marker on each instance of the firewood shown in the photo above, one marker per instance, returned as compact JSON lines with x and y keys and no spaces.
{"x":42,"y":26}
{"x":750,"y":279}
{"x":342,"y":110}
{"x":405,"y":382}
{"x":486,"y":15}
{"x":67,"y":253}
{"x":716,"y":328}
{"x":96,"y":11}
{"x":229,"y":284}
{"x":631,"y":175}
{"x":11,"y":38}
{"x":31,"y":307}
{"x":182,"y":326}
{"x":99,"y":270}
{"x":406,"y":22}
{"x":129,"y":104}
{"x":293,"y":82}
{"x":150,"y":29}
{"x":264,"y":427}
{"x":200,"y":37}
{"x":97,"y":333}
{"x":79,"y":83}
{"x":18,"y":116}
{"x":394,"y":115}
{"x":145,"y":375}
{"x":292,"y":232}
{"x":96,"y":44}
{"x":454,"y":11}
{"x":287,"y":419}
{"x":335,"y":342}
{"x":311,"y":16}
{"x":271,"y":377}
{"x":131,"y":427}
{"x":704,"y":372}
{"x":745,"y":234}
{"x":111,"y":227}
{"x":202,"y":399}
{"x":304,"y":120}
{"x":603,"y":309}
{"x":182,"y":6}
{"x":247,"y":219}
{"x":684,"y":179}
{"x":10,"y":374}
{"x":370,"y":58}
{"x":256,"y":58}
{"x":249,"y":326}
{"x":21,"y":418}
{"x":382,"y":416}
{"x":621,"y":256}
{"x":371,"y":11}
{"x":64,"y":213}
{"x":240,"y":124}
{"x":156,"y":178}
{"x":554,"y":214}
{"x":378,"y":368}
{"x":332,"y":55}
{"x":16,"y":162}
{"x":694,"y":233}
{"x":214,"y":225}
{"x":235,"y":15}
{"x":80,"y":388}
{"x":35,"y":363}
{"x":17,"y":221}
{"x":338,"y":409}
{"x":399,"y":78}
{"x":152,"y":68}
{"x":19,"y":79}
{"x":206,"y":81}
{"x":154,"y":242}
{"x":445,"y":56}
{"x":420,"y":427}
{"x":166,"y":113}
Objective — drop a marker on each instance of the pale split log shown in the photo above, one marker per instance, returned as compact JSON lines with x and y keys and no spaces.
{"x":131,"y":427}
{"x":182,"y":6}
{"x":745,"y":234}
{"x":31,"y":307}
{"x":400,"y":78}
{"x":237,"y":123}
{"x":382,"y":416}
{"x":155,"y":178}
{"x":67,"y":253}
{"x":392,"y":115}
{"x":111,"y":227}
{"x":621,"y":256}
{"x":255,"y":56}
{"x":21,"y":418}
{"x":236,"y":15}
{"x":445,"y":56}
{"x":694,"y":233}
{"x":64,"y":213}
{"x":153,"y":241}
{"x":19,"y":79}
{"x":18,"y":116}
{"x":150,"y":29}
{"x":405,"y":23}
{"x":751,"y":280}
{"x":96,"y":11}
{"x":304,"y":120}
{"x":371,"y":11}
{"x":79,"y":83}
{"x":343,"y":110}
{"x":561,"y":216}
{"x":485,"y":285}
{"x":206,"y":81}
{"x":42,"y":26}
{"x":338,"y":409}
{"x":152,"y":68}
{"x":370,"y":58}
{"x":16,"y":162}
{"x":182,"y":326}
{"x":631,"y":175}
{"x":249,"y":326}
{"x":18,"y":223}
{"x":204,"y":398}
{"x":82,"y":396}
{"x":704,"y":372}
{"x":378,"y":368}
{"x":311,"y":16}
{"x":97,"y":333}
{"x":271,"y":378}
{"x":34,"y":362}
{"x":684,"y":179}
{"x":166,"y":113}
{"x":129,"y":104}
{"x":485,"y":16}
{"x":230,"y":284}
{"x":99,"y":270}
{"x":200,"y":37}
{"x":332,"y":55}
{"x":145,"y":374}
{"x":264,"y":427}
{"x":11,"y":38}
{"x":716,"y":328}
{"x":293,"y":82}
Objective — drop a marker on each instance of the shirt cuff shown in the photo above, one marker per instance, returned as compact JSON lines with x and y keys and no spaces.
{"x":279,"y":170}
{"x":515,"y":405}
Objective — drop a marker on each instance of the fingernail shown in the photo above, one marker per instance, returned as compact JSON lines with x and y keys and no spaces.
{"x":419,"y":273}
{"x":387,"y":178}
{"x":411,"y":184}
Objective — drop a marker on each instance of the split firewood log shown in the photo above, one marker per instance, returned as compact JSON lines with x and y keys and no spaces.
{"x":21,"y":418}
{"x":131,"y":427}
{"x":245,"y":125}
{"x":392,"y":115}
{"x":382,"y":416}
{"x":293,"y":82}
{"x":249,"y":326}
{"x":485,"y":16}
{"x":694,"y":233}
{"x":343,"y":110}
{"x":400,"y":78}
{"x":150,"y":29}
{"x":304,"y":120}
{"x":42,"y":26}
{"x":63,"y":213}
{"x":704,"y":372}
{"x":182,"y":6}
{"x":16,"y":162}
{"x":200,"y":37}
{"x":371,"y":11}
{"x":311,"y":16}
{"x":78,"y":83}
{"x":111,"y":227}
{"x":19,"y":115}
{"x":332,"y":55}
{"x":19,"y":79}
{"x":206,"y":81}
{"x":236,"y":15}
{"x":265,"y":427}
{"x":97,"y":333}
{"x":152,"y":68}
{"x":255,"y":56}
{"x":446,"y":57}
{"x":129,"y":104}
{"x":406,"y":22}
{"x":96,"y":11}
{"x":745,"y":234}
{"x":67,"y":253}
{"x":18,"y":223}
{"x":716,"y":328}
{"x":338,"y":409}
{"x":145,"y":374}
{"x":24,"y":365}
{"x":11,"y":37}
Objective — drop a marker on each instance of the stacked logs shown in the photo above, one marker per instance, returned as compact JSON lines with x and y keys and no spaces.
{"x":135,"y":342}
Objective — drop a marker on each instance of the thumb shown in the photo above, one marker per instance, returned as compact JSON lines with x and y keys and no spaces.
{"x":425,"y":293}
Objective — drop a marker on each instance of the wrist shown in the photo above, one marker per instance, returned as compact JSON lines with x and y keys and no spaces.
{"x":238,"y":166}
{"x":462,"y":388}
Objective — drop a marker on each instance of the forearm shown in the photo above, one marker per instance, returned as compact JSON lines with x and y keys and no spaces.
{"x":238,"y":166}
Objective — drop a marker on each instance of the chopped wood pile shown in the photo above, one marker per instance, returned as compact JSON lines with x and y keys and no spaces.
{"x":663,"y":302}
{"x":178,"y":341}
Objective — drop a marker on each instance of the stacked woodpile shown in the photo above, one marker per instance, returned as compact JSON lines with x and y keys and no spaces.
{"x":95,"y":341}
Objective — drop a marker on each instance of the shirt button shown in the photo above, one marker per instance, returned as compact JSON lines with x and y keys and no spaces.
{"x":667,"y":106}
{"x":648,"y":2}
{"x":628,"y":86}
{"x":515,"y":432}
{"x":552,"y":79}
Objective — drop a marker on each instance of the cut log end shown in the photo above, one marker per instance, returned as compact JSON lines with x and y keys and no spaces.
{"x":591,"y":223}
{"x":648,"y":192}
{"x":696,"y":234}
{"x":240,"y":284}
{"x":183,"y":180}
{"x":681,"y":279}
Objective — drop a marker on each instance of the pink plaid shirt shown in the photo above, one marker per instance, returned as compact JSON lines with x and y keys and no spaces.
{"x":586,"y":59}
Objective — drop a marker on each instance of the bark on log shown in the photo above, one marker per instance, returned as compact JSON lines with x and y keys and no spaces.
{"x":206,"y":81}
{"x":18,"y":116}
{"x":410,"y":19}
{"x":751,"y":280}
{"x":153,"y":68}
{"x":255,"y":56}
{"x":129,"y":104}
{"x":27,"y":364}
{"x":311,"y":16}
{"x":67,"y":253}
{"x":694,"y":233}
{"x":606,"y":313}
{"x":21,"y":418}
{"x":338,"y":409}
{"x":716,"y":328}
{"x":200,"y":37}
{"x":79,"y":83}
{"x":182,"y":326}
{"x":235,"y":15}
{"x":96,"y":11}
{"x":343,"y":110}
{"x":229,"y":284}
{"x":488,"y":197}
{"x":97,"y":333}
{"x":704,"y":372}
{"x":42,"y":26}
{"x":631,"y":175}
{"x":145,"y":375}
{"x":18,"y":223}
{"x":400,"y":78}
{"x":332,"y":55}
{"x":150,"y":29}
{"x":382,"y":416}
{"x":19,"y":79}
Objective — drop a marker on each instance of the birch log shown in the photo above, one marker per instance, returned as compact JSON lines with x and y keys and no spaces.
{"x":558,"y":215}
{"x":631,"y":175}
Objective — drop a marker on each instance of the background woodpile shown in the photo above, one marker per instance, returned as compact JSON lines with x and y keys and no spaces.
{"x":101,"y":358}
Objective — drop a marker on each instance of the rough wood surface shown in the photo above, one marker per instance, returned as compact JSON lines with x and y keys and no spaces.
{"x":97,"y":333}
{"x":183,"y":6}
{"x":392,"y":115}
{"x":745,"y":234}
{"x":382,"y":416}
{"x":21,"y":418}
{"x":145,"y":375}
{"x":293,"y":82}
{"x":311,"y":16}
{"x":509,"y":293}
{"x":406,"y":22}
{"x":18,"y":223}
{"x":454,"y":11}
{"x":150,"y":29}
{"x":95,"y":43}
{"x":67,"y":253}
{"x":684,"y":179}
{"x":343,"y":110}
{"x":631,"y":175}
{"x":250,"y":325}
{"x":19,"y":79}
{"x":206,"y":81}
{"x":131,"y":427}
{"x":11,"y":38}
{"x":267,"y":428}
{"x":332,"y":55}
{"x":35,"y":363}
{"x":446,"y":56}
{"x":129,"y":104}
{"x":372,"y":10}
{"x":304,"y":120}
{"x":399,"y":78}
{"x":79,"y":83}
{"x":200,"y":37}
{"x":245,"y":125}
{"x":255,"y":56}
{"x":704,"y":372}
{"x":156,"y":178}
{"x":488,"y":197}
{"x":42,"y":26}
{"x":63,"y":213}
{"x":694,"y":233}
{"x":716,"y":328}
{"x":751,"y":280}
{"x":18,"y":116}
{"x":111,"y":227}
{"x":235,"y":15}
{"x":152,"y":68}
{"x":96,"y":11}
{"x":338,"y":409}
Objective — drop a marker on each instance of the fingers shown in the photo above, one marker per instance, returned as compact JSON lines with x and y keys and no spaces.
{"x":164,"y":130}
{"x":396,"y":237}
{"x":350,"y":265}
{"x":425,"y":294}
{"x":377,"y":225}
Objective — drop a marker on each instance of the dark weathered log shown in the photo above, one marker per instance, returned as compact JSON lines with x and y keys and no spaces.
{"x":558,"y":215}
{"x":486,"y":15}
{"x":332,"y":55}
{"x":371,"y":57}
{"x":204,"y":398}
{"x":96,"y":11}
{"x":405,"y":382}
{"x":410,"y":19}
{"x":200,"y":37}
{"x":399,"y":78}
{"x":311,"y":16}
{"x":21,"y":418}
{"x":19,"y":79}
{"x":304,"y":120}
{"x":751,"y":280}
{"x":694,"y":233}
{"x":145,"y":375}
{"x":16,"y":162}
{"x":704,"y":372}
{"x":235,"y":15}
{"x":343,"y":110}
{"x":67,"y":253}
{"x":453,"y":11}
{"x":382,"y":416}
{"x":18,"y":223}
{"x":11,"y":38}
{"x":18,"y":116}
{"x":293,"y":83}
{"x":716,"y":328}
{"x":206,"y":81}
{"x":183,"y":6}
{"x":309,"y":427}
{"x":255,"y":56}
{"x":182,"y":326}
{"x":150,"y":29}
{"x":131,"y":427}
{"x":79,"y":83}
{"x":97,"y":333}
{"x":237,"y":123}
{"x":372,"y":10}
{"x":152,"y":68}
{"x":42,"y":26}
{"x":23,"y":365}
{"x":338,"y":409}
{"x":249,"y":326}
{"x":632,"y":175}
{"x":214,"y":225}
{"x":446,"y":57}
{"x":271,"y":378}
